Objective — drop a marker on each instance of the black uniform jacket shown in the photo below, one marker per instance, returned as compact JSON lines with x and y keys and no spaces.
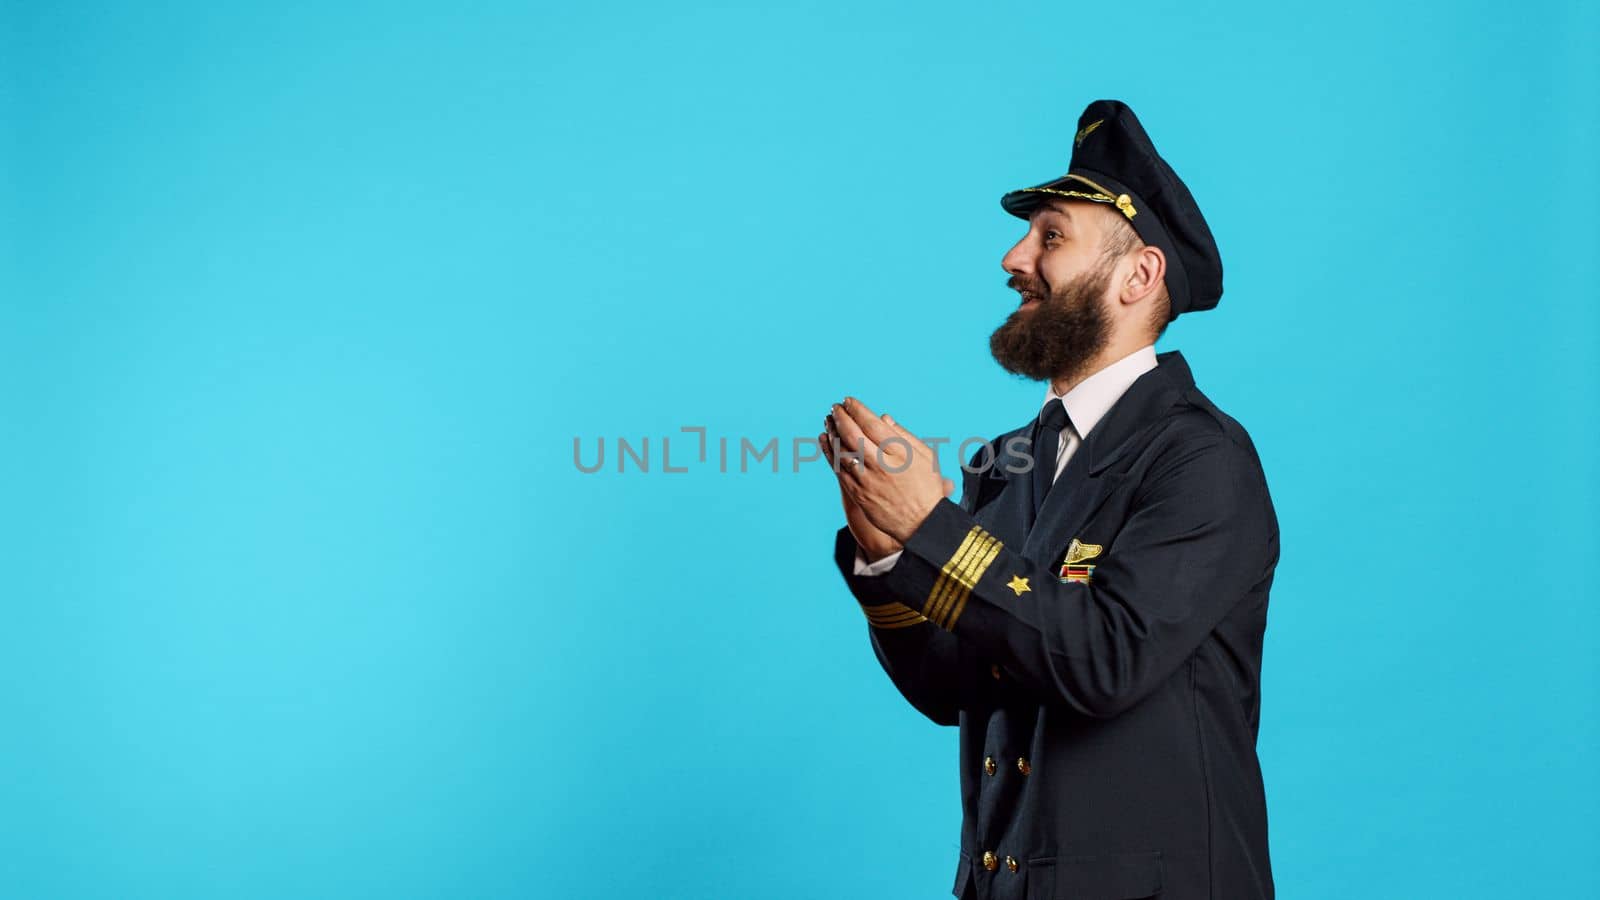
{"x":1103,"y":664}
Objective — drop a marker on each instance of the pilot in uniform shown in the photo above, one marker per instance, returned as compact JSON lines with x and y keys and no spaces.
{"x":1097,"y":636}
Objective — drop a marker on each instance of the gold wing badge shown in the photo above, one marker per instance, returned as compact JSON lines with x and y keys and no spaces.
{"x":1077,"y":140}
{"x":1072,"y":567}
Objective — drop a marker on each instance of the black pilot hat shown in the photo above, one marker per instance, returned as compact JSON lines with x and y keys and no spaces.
{"x":1113,"y":162}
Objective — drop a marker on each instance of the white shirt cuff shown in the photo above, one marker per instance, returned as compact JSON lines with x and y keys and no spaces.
{"x":876,"y":568}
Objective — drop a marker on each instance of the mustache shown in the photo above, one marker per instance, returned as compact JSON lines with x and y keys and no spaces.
{"x":1026,"y":285}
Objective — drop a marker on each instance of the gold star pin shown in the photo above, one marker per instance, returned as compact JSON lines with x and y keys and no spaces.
{"x":1018,"y":584}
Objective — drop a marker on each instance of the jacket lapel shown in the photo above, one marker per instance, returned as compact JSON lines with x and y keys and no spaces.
{"x":1005,"y":499}
{"x":1086,"y":484}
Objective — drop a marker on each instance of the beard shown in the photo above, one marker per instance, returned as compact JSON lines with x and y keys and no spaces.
{"x":1060,"y":334}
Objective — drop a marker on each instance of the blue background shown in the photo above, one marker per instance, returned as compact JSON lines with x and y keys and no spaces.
{"x":303,"y":308}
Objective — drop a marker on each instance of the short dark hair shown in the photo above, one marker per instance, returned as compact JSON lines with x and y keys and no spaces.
{"x":1120,"y":239}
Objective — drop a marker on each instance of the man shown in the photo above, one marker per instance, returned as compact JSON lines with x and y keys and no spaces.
{"x":1091,"y":613}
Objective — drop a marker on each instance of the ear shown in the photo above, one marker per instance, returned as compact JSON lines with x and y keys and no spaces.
{"x":1145,"y":278}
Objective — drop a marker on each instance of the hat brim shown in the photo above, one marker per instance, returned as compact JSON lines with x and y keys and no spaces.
{"x":1023,"y":201}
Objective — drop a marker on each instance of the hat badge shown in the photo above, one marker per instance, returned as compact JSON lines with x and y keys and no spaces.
{"x":1084,"y":132}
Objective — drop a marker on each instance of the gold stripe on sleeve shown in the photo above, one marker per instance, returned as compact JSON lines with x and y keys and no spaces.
{"x":944,"y":574}
{"x":959,"y":576}
{"x":977,"y":572}
{"x":945,"y":587}
{"x":892,"y":615}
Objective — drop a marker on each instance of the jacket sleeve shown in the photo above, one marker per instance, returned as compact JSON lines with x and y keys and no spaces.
{"x":1200,"y":533}
{"x":918,"y":656}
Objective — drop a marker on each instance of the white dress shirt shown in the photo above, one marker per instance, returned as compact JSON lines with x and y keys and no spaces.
{"x":1086,"y":405}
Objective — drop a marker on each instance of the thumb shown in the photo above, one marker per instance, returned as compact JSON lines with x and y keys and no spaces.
{"x":949,"y":487}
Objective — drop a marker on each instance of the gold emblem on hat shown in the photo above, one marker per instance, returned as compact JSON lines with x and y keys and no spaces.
{"x":1084,"y":132}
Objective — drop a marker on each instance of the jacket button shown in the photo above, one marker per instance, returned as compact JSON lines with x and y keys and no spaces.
{"x":989,"y":862}
{"x":988,"y":765}
{"x":1011,"y":863}
{"x":1022,"y":766}
{"x":994,"y":669}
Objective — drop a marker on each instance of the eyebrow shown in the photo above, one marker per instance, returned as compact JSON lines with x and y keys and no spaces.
{"x":1056,"y":207}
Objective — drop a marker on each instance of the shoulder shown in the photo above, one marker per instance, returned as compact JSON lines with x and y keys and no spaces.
{"x":1188,"y":417}
{"x":1197,"y":442}
{"x":1194,"y":421}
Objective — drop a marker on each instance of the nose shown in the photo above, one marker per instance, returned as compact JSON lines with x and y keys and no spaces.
{"x":1019,"y":259}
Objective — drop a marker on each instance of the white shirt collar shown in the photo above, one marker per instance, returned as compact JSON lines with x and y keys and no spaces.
{"x":1089,"y":401}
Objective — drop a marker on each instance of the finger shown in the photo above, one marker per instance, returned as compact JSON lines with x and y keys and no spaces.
{"x":850,"y":469}
{"x":850,"y":490}
{"x":847,"y":483}
{"x":915,"y":442}
{"x":867,"y":420}
{"x":850,"y":434}
{"x":845,"y":465}
{"x":831,"y":421}
{"x":841,"y":465}
{"x":862,"y":449}
{"x":949,"y":487}
{"x":841,"y":458}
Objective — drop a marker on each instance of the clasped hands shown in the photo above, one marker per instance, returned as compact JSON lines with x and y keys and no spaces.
{"x":888,"y":479}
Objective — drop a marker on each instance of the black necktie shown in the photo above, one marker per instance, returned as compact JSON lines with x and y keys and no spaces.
{"x":1046,"y":444}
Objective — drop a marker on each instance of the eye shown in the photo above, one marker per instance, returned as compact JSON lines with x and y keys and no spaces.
{"x":1052,"y":235}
